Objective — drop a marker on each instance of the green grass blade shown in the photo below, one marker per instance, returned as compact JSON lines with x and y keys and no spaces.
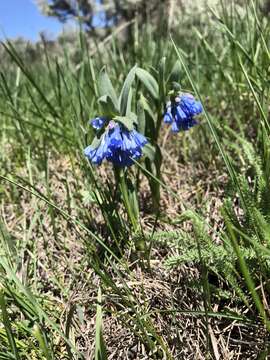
{"x":100,"y":348}
{"x":7,"y":325}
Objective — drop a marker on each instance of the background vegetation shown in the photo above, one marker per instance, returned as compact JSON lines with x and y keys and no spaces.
{"x":77,"y":281}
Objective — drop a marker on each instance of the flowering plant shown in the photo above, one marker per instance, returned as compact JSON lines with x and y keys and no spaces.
{"x":124,"y":137}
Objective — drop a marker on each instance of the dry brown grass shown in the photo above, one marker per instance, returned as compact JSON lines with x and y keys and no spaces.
{"x":64,"y":277}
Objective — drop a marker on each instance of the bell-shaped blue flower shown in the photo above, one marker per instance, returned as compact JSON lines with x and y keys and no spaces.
{"x":181,"y":111}
{"x":190,"y":106}
{"x":168,"y":117}
{"x":118,"y":145}
{"x":97,"y":154}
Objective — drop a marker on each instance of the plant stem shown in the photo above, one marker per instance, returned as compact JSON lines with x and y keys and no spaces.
{"x":129,"y":208}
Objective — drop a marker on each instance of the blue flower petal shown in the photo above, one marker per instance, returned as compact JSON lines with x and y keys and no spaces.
{"x":180,"y":115}
{"x":88,"y":151}
{"x":97,"y":123}
{"x":139,"y":138}
{"x":168,"y":118}
{"x":175,"y":127}
{"x":115,"y":137}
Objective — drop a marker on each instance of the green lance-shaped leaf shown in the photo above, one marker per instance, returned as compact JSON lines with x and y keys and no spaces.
{"x":124,"y":98}
{"x":133,"y":201}
{"x":106,"y":88}
{"x":43,"y":343}
{"x":153,"y":163}
{"x":146,"y":118}
{"x":141,"y":117}
{"x":175,"y":73}
{"x":129,"y":102}
{"x":127,"y":121}
{"x":149,"y":82}
{"x":147,"y":107}
{"x":161,"y":79}
{"x":100,"y":348}
{"x":149,"y":152}
{"x":130,"y":200}
{"x":108,"y":106}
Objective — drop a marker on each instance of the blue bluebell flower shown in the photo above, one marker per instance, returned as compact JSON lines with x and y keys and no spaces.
{"x":168,"y":118}
{"x":97,"y":154}
{"x":118,"y":145}
{"x":98,"y":122}
{"x":181,"y":111}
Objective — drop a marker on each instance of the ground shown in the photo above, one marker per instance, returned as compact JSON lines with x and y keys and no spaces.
{"x":53,"y":261}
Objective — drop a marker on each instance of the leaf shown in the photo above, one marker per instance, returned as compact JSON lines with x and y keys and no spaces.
{"x":153,"y":163}
{"x":141,"y":117}
{"x":42,"y":341}
{"x":149,"y":152}
{"x":149,"y":82}
{"x":125,"y":92}
{"x":7,"y":325}
{"x":128,"y":109}
{"x":175,"y":73}
{"x":106,"y":88}
{"x":153,"y":153}
{"x":88,"y":197}
{"x":161,"y":80}
{"x":158,"y":159}
{"x":108,"y":105}
{"x":100,"y":348}
{"x":127,"y":121}
{"x":176,"y":86}
{"x":147,"y":107}
{"x":146,"y":118}
{"x":133,"y":198}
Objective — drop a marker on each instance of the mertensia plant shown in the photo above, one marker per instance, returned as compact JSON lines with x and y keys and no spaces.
{"x":128,"y":128}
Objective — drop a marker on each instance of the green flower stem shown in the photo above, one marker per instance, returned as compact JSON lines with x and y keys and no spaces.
{"x":129,"y":208}
{"x":155,"y":186}
{"x":158,"y":124}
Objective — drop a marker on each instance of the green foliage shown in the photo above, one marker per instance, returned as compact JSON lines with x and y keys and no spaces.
{"x":247,"y":234}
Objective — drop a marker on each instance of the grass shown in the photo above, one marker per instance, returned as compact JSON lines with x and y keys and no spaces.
{"x":78,"y":279}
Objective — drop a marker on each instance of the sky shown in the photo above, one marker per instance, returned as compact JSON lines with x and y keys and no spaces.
{"x":23,"y":18}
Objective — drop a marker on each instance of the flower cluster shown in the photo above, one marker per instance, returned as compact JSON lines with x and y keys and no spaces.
{"x":117,"y":144}
{"x":181,"y":111}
